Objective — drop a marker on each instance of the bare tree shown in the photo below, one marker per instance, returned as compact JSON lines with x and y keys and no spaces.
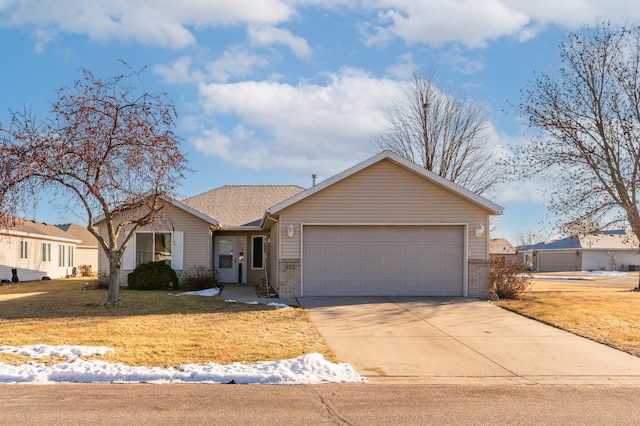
{"x":445,"y":134}
{"x":108,"y":145}
{"x":588,"y":116}
{"x":525,"y":238}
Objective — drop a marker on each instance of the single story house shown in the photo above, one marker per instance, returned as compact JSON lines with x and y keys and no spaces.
{"x":501,"y":248}
{"x":35,"y":250}
{"x":607,"y":250}
{"x":382,"y":227}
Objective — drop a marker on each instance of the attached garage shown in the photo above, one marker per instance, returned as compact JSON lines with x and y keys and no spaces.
{"x":385,"y":260}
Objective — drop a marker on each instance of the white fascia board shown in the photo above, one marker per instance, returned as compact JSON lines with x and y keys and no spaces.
{"x":494,"y":208}
{"x":38,"y":236}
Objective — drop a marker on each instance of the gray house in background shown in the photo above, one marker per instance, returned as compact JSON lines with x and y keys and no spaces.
{"x":607,"y":250}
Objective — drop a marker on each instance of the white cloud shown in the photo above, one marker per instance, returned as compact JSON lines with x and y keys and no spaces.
{"x":475,"y":22}
{"x":179,"y":71}
{"x":472,"y":23}
{"x":166,"y":23}
{"x":304,"y":127}
{"x":235,"y":62}
{"x":266,"y":36}
{"x":404,"y":68}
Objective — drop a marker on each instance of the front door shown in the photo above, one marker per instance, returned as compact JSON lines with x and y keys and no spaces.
{"x":229,"y":259}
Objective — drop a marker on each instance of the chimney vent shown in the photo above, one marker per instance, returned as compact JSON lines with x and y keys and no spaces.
{"x":313,"y":179}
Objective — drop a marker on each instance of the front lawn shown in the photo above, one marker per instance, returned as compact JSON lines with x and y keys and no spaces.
{"x":603,"y":309}
{"x":152,"y":328}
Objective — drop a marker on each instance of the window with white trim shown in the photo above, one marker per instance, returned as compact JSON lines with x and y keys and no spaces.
{"x":153,"y":247}
{"x":257,"y":252}
{"x":46,"y":252}
{"x":24,"y":250}
{"x":71,"y":259}
{"x":61,"y":256}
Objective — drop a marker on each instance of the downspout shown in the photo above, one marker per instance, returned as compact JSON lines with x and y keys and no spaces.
{"x":266,"y":263}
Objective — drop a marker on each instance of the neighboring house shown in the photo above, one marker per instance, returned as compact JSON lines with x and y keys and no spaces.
{"x":87,"y":248}
{"x":606,"y":250}
{"x":36,"y":250}
{"x":501,"y":248}
{"x":383,"y":227}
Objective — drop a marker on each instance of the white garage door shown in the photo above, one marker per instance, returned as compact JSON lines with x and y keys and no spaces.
{"x":383,"y":260}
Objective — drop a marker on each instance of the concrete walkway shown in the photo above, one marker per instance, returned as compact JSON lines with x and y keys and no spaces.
{"x":460,"y":341}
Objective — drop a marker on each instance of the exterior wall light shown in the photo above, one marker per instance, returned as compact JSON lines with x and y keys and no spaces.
{"x":479,"y":231}
{"x":290,"y":230}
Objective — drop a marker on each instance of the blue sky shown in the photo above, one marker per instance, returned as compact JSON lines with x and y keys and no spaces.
{"x":271,"y":91}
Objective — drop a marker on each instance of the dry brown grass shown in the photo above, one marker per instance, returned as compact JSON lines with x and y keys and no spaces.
{"x":604,"y":310}
{"x":153,"y":328}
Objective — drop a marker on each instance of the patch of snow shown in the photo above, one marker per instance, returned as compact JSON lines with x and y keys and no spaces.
{"x":307,"y":369}
{"x":279,"y":305}
{"x":237,"y":301}
{"x":63,"y":351}
{"x":208,"y":292}
{"x":609,"y":274}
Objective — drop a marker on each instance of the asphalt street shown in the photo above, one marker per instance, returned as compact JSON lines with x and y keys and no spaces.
{"x":330,"y":404}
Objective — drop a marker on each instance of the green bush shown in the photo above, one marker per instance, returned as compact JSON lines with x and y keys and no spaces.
{"x":153,"y":276}
{"x":508,"y":279}
{"x":199,"y":278}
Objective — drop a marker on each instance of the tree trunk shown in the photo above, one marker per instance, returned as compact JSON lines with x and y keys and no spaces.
{"x":114,"y":279}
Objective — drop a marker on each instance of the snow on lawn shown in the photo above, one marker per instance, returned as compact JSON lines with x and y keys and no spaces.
{"x":208,"y":292}
{"x":307,"y":369}
{"x":609,"y":274}
{"x":216,"y":291}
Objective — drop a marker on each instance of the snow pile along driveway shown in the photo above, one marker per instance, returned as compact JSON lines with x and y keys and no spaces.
{"x":307,"y":369}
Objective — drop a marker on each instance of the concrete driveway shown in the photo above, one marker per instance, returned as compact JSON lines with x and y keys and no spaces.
{"x":460,"y":341}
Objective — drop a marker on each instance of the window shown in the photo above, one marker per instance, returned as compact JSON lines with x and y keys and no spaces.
{"x":24,"y":249}
{"x":257,"y":261}
{"x":61,"y":252}
{"x":46,"y":252}
{"x":71,"y":256}
{"x":153,"y":247}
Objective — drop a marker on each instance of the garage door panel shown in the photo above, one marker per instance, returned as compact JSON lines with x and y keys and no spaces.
{"x":383,"y":260}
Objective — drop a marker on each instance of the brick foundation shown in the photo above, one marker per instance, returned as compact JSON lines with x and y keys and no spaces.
{"x":289,"y":278}
{"x":479,"y":284}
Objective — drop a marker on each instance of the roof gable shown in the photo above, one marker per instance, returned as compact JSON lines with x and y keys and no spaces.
{"x":408,"y":165}
{"x":241,"y":205}
{"x":181,"y":206}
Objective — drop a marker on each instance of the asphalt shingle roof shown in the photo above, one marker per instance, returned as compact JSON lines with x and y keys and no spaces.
{"x":240,"y":205}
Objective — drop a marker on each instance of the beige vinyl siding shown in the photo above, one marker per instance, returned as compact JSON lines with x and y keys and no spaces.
{"x":197,"y":240}
{"x":272,"y":266}
{"x":384,"y":193}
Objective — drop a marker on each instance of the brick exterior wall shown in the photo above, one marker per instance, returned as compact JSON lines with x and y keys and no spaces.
{"x":289,"y":278}
{"x":479,"y":278}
